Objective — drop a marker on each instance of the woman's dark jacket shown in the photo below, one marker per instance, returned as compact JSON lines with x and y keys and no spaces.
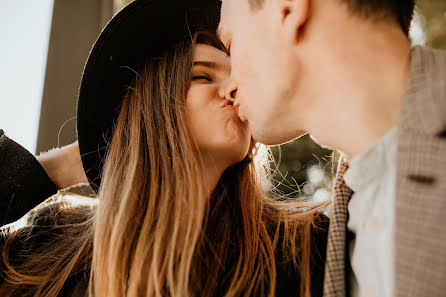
{"x":24,"y":184}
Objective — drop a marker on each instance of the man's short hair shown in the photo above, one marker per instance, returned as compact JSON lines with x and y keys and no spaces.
{"x":399,"y":10}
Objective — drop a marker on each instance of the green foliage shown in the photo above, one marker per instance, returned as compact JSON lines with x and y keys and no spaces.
{"x":292,"y":161}
{"x":432,"y":15}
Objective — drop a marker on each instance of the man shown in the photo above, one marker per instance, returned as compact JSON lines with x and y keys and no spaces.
{"x":344,"y":71}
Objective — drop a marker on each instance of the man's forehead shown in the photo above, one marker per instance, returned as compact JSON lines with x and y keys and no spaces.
{"x":223,"y":27}
{"x":232,"y":13}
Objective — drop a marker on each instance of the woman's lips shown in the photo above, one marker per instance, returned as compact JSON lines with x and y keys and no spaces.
{"x":226,"y":103}
{"x":233,"y":106}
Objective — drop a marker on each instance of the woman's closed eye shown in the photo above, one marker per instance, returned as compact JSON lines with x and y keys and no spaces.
{"x":202,"y":77}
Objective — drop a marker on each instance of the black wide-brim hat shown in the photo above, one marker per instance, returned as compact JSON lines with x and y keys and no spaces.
{"x":142,"y":30}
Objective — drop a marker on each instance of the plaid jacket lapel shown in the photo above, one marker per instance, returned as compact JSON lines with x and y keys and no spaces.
{"x":335,"y":267}
{"x":420,"y":220}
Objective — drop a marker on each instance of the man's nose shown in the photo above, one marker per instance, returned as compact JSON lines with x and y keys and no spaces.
{"x":229,"y":91}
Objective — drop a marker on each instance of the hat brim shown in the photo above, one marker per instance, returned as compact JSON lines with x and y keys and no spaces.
{"x":140,"y":31}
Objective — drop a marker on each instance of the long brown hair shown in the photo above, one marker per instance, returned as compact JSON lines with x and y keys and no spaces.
{"x":154,"y":232}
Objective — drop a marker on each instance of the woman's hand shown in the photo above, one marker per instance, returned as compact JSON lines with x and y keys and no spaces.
{"x":64,"y":166}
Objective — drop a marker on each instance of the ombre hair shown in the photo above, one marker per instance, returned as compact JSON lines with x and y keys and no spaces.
{"x":153,"y":231}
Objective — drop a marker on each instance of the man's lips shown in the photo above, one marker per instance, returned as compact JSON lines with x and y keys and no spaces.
{"x":237,"y":109}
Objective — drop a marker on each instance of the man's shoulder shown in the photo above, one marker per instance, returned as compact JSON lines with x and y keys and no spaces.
{"x":422,"y":110}
{"x":429,"y":62}
{"x":429,"y":50}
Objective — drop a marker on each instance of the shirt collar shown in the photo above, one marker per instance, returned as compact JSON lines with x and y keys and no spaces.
{"x":369,"y":165}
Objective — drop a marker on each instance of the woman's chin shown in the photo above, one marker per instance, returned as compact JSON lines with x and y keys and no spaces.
{"x":238,"y":152}
{"x":238,"y":132}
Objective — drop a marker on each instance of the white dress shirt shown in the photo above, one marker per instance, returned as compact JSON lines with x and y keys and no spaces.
{"x":371,"y":176}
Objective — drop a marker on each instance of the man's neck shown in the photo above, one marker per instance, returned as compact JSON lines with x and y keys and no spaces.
{"x":364,"y":102}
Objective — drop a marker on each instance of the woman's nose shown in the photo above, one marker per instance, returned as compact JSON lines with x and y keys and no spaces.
{"x":229,"y":91}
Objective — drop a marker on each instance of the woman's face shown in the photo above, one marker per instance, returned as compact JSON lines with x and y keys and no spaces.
{"x":212,"y":120}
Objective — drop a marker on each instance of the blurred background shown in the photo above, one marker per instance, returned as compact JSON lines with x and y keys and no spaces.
{"x":44,"y":45}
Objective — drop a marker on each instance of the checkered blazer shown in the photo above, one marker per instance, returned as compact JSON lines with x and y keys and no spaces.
{"x":420,"y":208}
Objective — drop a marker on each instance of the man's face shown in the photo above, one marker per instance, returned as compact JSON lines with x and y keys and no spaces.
{"x":263,"y":69}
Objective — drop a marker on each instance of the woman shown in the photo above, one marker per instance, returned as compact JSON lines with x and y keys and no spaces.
{"x":180,"y":209}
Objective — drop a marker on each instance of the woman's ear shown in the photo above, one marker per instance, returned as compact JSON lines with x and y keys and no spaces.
{"x":294,"y":15}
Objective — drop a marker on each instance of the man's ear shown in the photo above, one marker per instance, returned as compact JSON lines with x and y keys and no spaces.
{"x":294,"y":15}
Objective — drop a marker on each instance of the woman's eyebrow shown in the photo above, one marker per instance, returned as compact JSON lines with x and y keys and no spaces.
{"x":213,"y":65}
{"x":208,"y":64}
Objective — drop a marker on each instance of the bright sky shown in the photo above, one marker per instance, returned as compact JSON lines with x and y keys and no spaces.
{"x":24,"y":36}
